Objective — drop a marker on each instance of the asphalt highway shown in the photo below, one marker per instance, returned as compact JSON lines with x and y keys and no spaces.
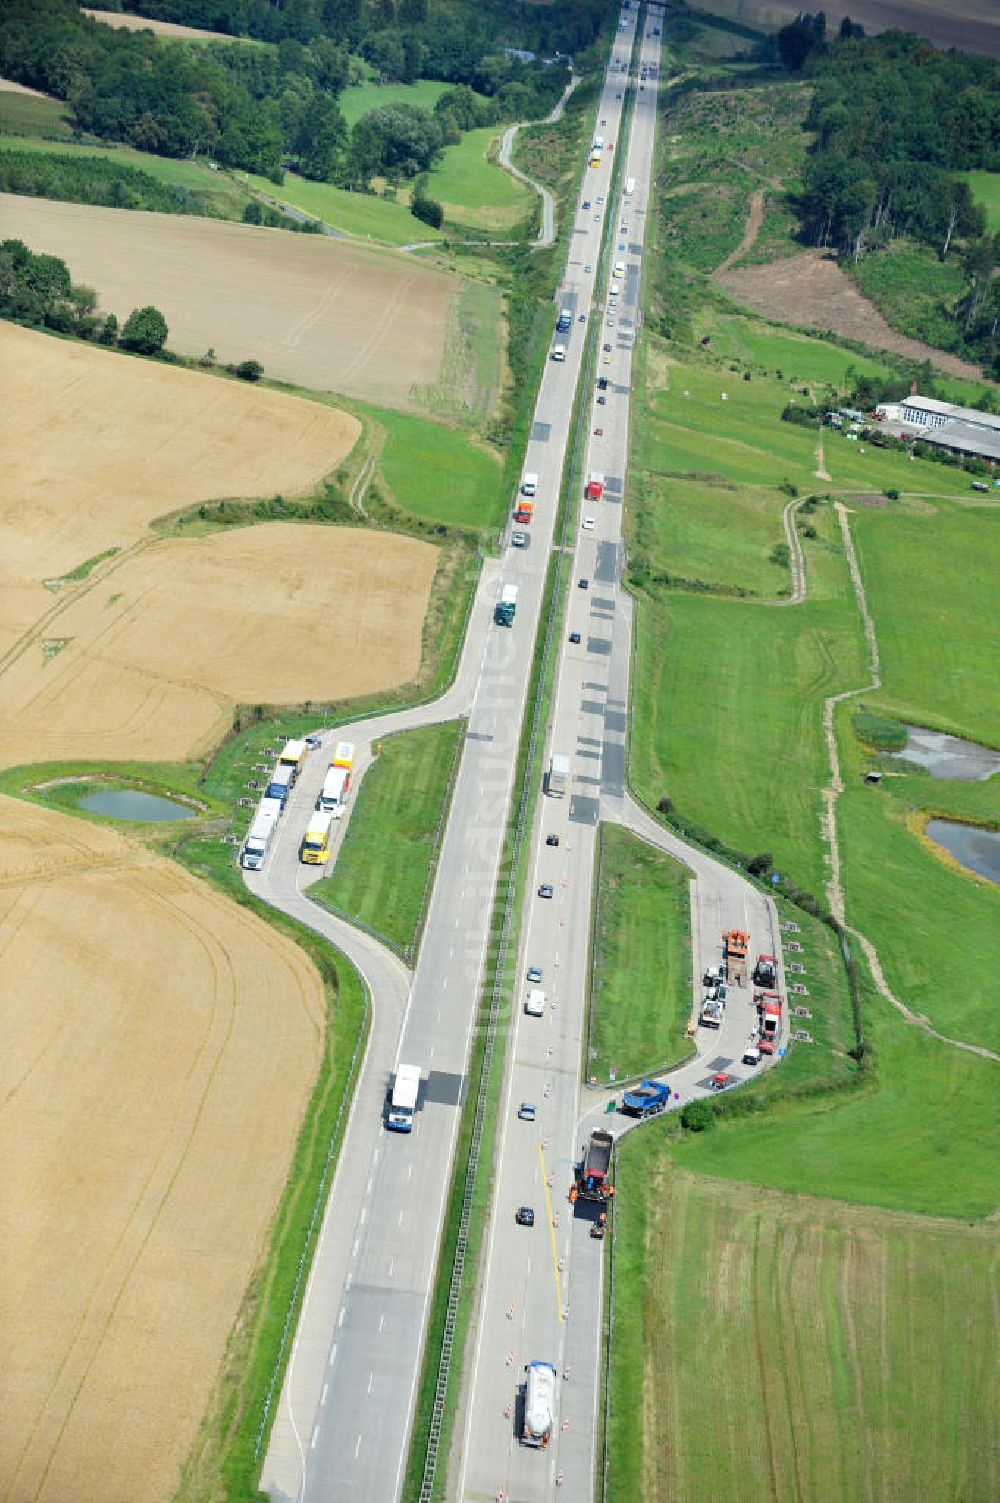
{"x":541,"y":1297}
{"x":343,"y":1421}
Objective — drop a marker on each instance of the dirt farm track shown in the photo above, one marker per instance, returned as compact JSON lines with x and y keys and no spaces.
{"x":144,"y":1020}
{"x":314,"y":311}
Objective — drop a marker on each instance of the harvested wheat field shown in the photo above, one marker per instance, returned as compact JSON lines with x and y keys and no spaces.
{"x":811,"y":289}
{"x":161,"y":28}
{"x":314,"y":311}
{"x":145,"y":1020}
{"x":148,"y":657}
{"x":95,"y":445}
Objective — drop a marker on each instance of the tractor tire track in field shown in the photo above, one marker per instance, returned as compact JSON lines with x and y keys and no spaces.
{"x":39,"y":627}
{"x":833,"y":790}
{"x":41,"y":1446}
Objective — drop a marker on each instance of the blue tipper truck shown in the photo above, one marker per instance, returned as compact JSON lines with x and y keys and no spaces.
{"x":646,"y":1100}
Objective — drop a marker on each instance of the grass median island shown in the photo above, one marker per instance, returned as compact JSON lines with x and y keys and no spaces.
{"x":640,"y":997}
{"x":855,"y":1347}
{"x":381,"y":877}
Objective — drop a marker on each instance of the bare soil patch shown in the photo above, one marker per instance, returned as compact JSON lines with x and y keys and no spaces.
{"x":969,"y":25}
{"x":160,"y":1045}
{"x":314,"y":311}
{"x":123,"y":22}
{"x":94,"y":446}
{"x":158,"y":647}
{"x":811,"y":289}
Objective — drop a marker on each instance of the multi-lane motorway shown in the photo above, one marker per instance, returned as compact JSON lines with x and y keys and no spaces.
{"x":342,"y":1423}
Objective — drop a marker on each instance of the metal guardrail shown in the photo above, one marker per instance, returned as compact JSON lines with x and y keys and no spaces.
{"x":560,"y":552}
{"x":319,"y":1203}
{"x":525,"y":805}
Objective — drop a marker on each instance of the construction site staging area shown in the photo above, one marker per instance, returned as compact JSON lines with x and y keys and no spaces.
{"x":313,"y":311}
{"x":160,"y":1045}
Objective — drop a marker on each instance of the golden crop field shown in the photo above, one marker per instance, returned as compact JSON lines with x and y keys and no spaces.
{"x":160,"y":1045}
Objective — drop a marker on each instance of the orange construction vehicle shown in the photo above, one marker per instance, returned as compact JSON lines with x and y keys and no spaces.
{"x":736,"y":942}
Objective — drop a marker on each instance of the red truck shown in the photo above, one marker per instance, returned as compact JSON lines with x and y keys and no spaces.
{"x":592,"y":1181}
{"x":769,"y":1008}
{"x":525,"y":510}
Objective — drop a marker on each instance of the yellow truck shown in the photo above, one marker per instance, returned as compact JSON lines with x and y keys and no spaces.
{"x":315,"y":847}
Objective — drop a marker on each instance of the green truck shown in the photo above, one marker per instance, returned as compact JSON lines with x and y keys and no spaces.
{"x":507,"y":606}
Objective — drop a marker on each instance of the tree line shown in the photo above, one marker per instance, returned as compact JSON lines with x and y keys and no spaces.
{"x":86,"y":179}
{"x":36,"y":289}
{"x":893,"y":121}
{"x":259,"y":108}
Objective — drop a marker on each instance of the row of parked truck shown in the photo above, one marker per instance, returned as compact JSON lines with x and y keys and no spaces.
{"x":330,"y":805}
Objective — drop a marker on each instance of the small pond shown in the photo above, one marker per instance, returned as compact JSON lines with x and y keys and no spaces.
{"x":976,"y":849}
{"x":948,"y":756}
{"x":129,"y":803}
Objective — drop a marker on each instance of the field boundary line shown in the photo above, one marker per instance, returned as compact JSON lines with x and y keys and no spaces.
{"x":833,"y":790}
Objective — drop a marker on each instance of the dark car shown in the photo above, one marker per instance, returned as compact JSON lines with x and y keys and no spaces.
{"x":602,"y":401}
{"x":602,"y":383}
{"x":586,"y":203}
{"x":545,"y":891}
{"x":607,"y":349}
{"x":552,"y":840}
{"x":574,"y":637}
{"x":584,"y":584}
{"x":524,"y":1216}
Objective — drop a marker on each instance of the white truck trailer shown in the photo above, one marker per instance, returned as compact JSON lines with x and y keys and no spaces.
{"x":405,"y":1091}
{"x":333,"y":795}
{"x":539,"y":1403}
{"x":255,"y":846}
{"x":558,"y":778}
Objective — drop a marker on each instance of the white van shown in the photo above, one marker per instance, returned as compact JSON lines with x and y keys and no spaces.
{"x":535,"y":1004}
{"x":559,"y":352}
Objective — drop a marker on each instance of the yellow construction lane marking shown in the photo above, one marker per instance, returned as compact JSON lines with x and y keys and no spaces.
{"x":552,"y":1231}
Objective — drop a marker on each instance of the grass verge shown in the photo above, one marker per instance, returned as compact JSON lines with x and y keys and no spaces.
{"x":640,"y":991}
{"x":823,"y":1325}
{"x":383,"y":874}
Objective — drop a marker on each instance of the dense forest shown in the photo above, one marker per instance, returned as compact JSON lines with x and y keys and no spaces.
{"x":258,"y":108}
{"x":893,"y":120}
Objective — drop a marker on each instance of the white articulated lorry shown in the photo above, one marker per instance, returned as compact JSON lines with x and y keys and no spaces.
{"x":333,"y":795}
{"x":405,"y":1091}
{"x":259,"y":837}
